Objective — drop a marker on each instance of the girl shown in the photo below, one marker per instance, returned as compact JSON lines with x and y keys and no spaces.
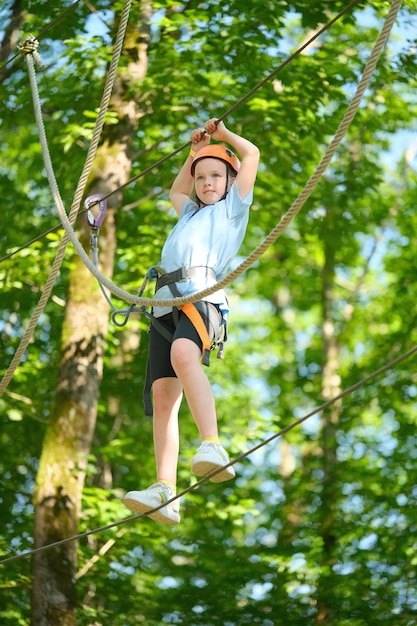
{"x":196,"y":255}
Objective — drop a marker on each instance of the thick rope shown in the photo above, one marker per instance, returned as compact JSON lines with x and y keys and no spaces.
{"x":294,"y":209}
{"x":286,"y":219}
{"x":80,"y":190}
{"x":246,"y":454}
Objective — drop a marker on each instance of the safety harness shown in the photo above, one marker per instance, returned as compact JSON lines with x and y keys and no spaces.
{"x":195,"y":313}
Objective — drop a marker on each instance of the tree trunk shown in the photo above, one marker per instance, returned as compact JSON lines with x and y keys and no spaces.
{"x":10,"y":39}
{"x":68,"y":438}
{"x":330,"y":424}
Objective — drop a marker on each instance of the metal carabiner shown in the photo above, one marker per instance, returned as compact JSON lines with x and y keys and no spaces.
{"x":95,"y":222}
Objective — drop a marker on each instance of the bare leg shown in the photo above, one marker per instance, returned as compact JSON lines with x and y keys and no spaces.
{"x":167,"y":396}
{"x":185,"y":359}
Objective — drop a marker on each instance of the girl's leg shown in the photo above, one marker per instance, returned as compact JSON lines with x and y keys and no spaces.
{"x":185,"y":359}
{"x":167,"y":396}
{"x":210,"y":456}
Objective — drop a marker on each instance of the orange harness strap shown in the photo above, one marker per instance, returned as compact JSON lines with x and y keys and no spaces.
{"x":195,"y":318}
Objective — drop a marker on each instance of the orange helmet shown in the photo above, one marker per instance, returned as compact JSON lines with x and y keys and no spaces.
{"x":216,"y":151}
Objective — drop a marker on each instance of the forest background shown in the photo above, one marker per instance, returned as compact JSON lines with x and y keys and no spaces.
{"x":319,"y":526}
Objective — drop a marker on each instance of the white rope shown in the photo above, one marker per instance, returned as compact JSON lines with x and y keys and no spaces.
{"x":53,"y":184}
{"x":286,"y":219}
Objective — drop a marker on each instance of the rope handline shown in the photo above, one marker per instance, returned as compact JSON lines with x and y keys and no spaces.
{"x":286,"y":219}
{"x":242,"y":456}
{"x":185,"y":145}
{"x":294,"y":209}
{"x":80,"y":190}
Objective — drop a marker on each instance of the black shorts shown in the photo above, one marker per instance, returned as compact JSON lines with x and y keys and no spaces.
{"x":160,"y":348}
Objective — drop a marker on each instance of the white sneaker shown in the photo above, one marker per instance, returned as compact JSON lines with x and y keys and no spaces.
{"x":152,"y":497}
{"x":211,"y":456}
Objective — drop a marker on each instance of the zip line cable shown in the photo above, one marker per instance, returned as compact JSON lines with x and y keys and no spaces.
{"x":242,"y":456}
{"x":286,"y":219}
{"x":58,"y":18}
{"x":54,"y":187}
{"x":223,"y":116}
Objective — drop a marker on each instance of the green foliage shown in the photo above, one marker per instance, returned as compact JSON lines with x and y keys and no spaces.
{"x":272,"y":548}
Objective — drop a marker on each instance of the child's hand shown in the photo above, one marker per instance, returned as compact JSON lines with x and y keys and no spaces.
{"x":215,"y":128}
{"x":199,"y":139}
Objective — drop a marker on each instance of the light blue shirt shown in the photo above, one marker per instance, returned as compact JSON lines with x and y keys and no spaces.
{"x":209,"y":236}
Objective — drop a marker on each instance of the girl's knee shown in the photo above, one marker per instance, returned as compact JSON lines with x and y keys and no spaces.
{"x":167,"y":394}
{"x":184,"y":354}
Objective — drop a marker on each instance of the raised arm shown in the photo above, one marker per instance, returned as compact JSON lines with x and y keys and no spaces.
{"x":246,"y":150}
{"x":183,"y":184}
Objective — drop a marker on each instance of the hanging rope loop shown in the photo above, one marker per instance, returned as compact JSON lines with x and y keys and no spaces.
{"x":80,"y":190}
{"x":294,"y":209}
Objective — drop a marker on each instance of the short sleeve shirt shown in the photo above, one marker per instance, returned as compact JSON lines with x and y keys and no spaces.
{"x":209,"y":236}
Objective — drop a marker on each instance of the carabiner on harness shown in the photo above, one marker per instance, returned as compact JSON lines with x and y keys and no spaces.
{"x":151,"y":273}
{"x":95,"y":222}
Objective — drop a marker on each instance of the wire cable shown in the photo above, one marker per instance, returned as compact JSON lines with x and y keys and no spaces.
{"x":239,"y":458}
{"x":268,"y":241}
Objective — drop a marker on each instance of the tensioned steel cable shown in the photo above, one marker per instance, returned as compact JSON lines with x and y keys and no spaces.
{"x":297,"y":422}
{"x":206,"y":478}
{"x":222,"y":117}
{"x":268,"y":241}
{"x":247,"y":96}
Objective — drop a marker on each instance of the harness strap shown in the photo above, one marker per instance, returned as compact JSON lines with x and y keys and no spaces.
{"x":198,"y":319}
{"x":185,"y":273}
{"x":190,"y":310}
{"x":195,"y":318}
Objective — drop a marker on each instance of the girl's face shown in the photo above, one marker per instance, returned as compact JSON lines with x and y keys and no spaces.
{"x":210,"y":180}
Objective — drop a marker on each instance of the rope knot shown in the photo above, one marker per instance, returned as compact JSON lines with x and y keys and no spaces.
{"x":30,"y":46}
